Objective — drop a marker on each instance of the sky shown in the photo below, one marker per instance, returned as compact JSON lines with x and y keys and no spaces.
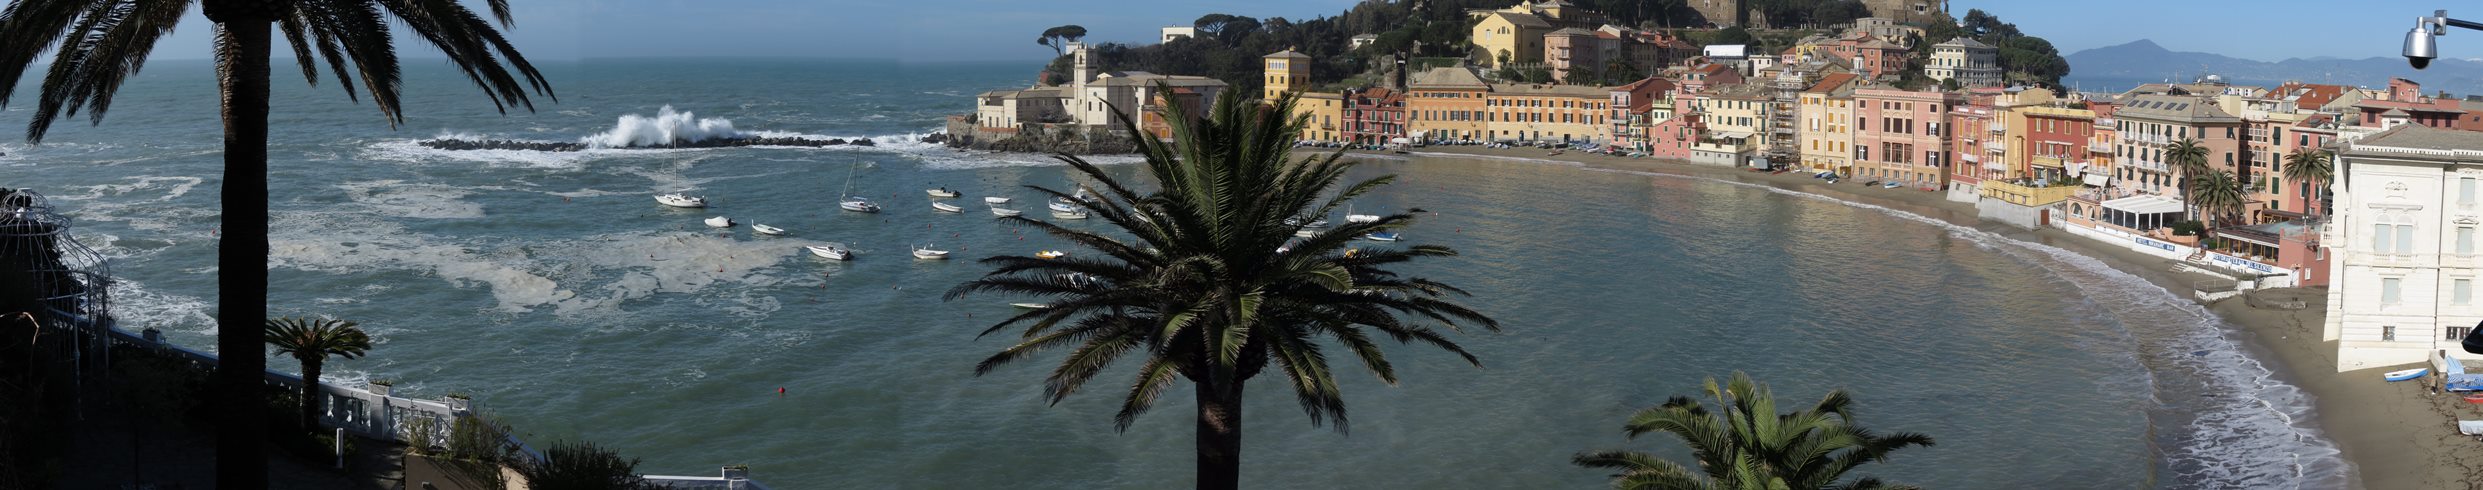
{"x":979,"y":30}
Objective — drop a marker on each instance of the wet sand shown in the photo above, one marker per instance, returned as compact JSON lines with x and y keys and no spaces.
{"x":2396,"y":435}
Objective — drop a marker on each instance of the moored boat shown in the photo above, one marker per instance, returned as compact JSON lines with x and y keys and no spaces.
{"x":1031,"y":306}
{"x":1069,"y":215}
{"x":720,"y":222}
{"x":926,"y":253}
{"x":680,"y":200}
{"x":830,"y":252}
{"x":858,"y":204}
{"x":1004,"y":212}
{"x":940,"y":192}
{"x":763,"y":229}
{"x":1051,"y":254}
{"x":995,"y":200}
{"x":2405,"y":375}
{"x":946,"y":207}
{"x":1381,"y":236}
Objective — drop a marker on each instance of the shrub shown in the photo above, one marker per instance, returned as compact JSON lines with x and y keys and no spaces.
{"x":2188,"y":228}
{"x":582,"y":466}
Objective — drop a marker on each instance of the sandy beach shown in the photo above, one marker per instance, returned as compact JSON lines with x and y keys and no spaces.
{"x":2396,"y":435}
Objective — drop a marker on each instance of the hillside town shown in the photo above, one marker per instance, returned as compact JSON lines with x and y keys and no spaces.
{"x":2216,"y":177}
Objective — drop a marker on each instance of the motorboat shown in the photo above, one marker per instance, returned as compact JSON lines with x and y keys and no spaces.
{"x":940,"y":192}
{"x":946,"y":207}
{"x":2405,"y":375}
{"x":995,"y":200}
{"x":926,"y":253}
{"x":720,"y":222}
{"x":858,"y":204}
{"x":1031,"y":306}
{"x":1063,"y":206}
{"x":1381,"y":236}
{"x":1004,"y":212}
{"x":830,"y":252}
{"x":766,"y":230}
{"x":1069,"y":215}
{"x":680,"y":200}
{"x":1051,"y":254}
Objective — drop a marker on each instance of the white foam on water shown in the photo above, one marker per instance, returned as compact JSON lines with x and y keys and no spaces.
{"x":139,"y":308}
{"x":408,"y":200}
{"x":412,"y":152}
{"x":667,"y":127}
{"x":2262,"y":439}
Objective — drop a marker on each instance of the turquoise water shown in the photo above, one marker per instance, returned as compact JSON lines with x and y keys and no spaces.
{"x":550,"y":287}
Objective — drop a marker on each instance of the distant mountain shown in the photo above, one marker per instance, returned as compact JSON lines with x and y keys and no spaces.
{"x":2142,"y":61}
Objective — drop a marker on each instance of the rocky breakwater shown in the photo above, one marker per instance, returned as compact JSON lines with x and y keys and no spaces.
{"x":729,"y":142}
{"x":1069,"y":142}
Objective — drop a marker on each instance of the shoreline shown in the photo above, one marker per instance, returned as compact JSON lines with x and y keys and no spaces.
{"x":2391,"y":435}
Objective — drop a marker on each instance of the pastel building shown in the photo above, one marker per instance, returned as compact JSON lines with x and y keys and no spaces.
{"x":1902,"y":136}
{"x":1446,"y":103}
{"x":1826,"y":124}
{"x":2149,"y":124}
{"x":1556,"y":113}
{"x":2404,"y":245}
{"x":1971,"y":63}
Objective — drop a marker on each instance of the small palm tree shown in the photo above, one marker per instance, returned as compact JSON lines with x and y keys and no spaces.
{"x":312,"y":341}
{"x":2220,"y":197}
{"x":1208,"y":289}
{"x":2314,"y":169}
{"x":2189,"y":159}
{"x":1747,"y":445}
{"x":104,"y":42}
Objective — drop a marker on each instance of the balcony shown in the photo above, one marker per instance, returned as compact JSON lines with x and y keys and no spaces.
{"x":2157,"y":167}
{"x":2146,"y":138}
{"x":1970,"y":156}
{"x":2048,"y":161}
{"x":1999,"y":128}
{"x":2025,"y":193}
{"x":1995,"y":147}
{"x":2099,"y":147}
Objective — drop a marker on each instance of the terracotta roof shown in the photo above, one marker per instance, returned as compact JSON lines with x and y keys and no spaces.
{"x":2419,"y":137}
{"x":1447,"y":77}
{"x":1831,"y":82}
{"x":2174,"y":108}
{"x":1288,"y":53}
{"x":1571,"y":31}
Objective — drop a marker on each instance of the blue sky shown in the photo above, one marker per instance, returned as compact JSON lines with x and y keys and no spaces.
{"x":968,"y":30}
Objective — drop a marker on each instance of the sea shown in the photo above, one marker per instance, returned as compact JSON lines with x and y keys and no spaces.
{"x":553,"y":290}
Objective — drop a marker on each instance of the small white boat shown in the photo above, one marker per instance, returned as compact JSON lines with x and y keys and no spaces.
{"x":926,"y":253}
{"x":946,"y":207}
{"x":1051,"y":254}
{"x":720,"y":222}
{"x":1004,"y":212}
{"x":858,"y":204}
{"x":940,"y":192}
{"x":1031,"y":306}
{"x":766,"y":230}
{"x":1306,"y":233}
{"x":1069,"y":215}
{"x":830,"y":252}
{"x":680,"y":200}
{"x":2405,"y":375}
{"x":1314,"y":223}
{"x":995,"y":200}
{"x":1361,"y":218}
{"x":1063,"y":206}
{"x":1381,"y":236}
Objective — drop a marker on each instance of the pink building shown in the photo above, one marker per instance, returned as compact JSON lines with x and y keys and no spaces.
{"x":1673,"y":137}
{"x":1903,"y":136}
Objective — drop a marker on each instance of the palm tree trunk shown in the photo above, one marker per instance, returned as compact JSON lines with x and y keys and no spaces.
{"x":311,"y":396}
{"x":1219,"y":436}
{"x":241,"y":258}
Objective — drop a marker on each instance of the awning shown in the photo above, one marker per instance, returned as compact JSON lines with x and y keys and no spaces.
{"x":2144,"y":204}
{"x":1732,"y":135}
{"x":2098,"y":180}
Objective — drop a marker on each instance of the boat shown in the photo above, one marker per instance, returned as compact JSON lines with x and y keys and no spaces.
{"x":1051,"y":254}
{"x":680,"y":200}
{"x":1063,"y":206}
{"x":766,"y":230}
{"x":720,"y":222}
{"x":830,"y":252}
{"x":850,"y":202}
{"x":940,"y":192}
{"x":1004,"y":212}
{"x":1314,"y":223}
{"x":2405,"y":375}
{"x":1350,"y":217}
{"x":946,"y":207}
{"x":1381,"y":236}
{"x":2474,"y":398}
{"x":1889,"y":185}
{"x":1031,"y":306}
{"x":1306,"y":233}
{"x":995,"y":200}
{"x":926,"y":253}
{"x":858,"y":204}
{"x":1069,"y":215}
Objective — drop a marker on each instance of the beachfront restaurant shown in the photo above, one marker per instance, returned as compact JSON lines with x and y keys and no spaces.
{"x":2142,"y":212}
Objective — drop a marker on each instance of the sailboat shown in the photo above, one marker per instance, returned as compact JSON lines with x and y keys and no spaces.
{"x":851,"y":202}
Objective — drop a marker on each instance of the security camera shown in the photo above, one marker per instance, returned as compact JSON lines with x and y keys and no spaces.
{"x":2420,"y":45}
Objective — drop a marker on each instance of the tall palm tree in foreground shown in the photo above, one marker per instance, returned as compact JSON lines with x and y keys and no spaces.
{"x":2314,"y":169}
{"x":1207,"y":289}
{"x":2189,"y":159}
{"x":104,"y":42}
{"x":312,"y":341}
{"x":2220,"y":197}
{"x":1747,"y":445}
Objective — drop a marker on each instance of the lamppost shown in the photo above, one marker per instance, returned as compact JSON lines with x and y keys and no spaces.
{"x":2421,"y":44}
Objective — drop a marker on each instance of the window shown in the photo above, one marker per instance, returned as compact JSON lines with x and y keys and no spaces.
{"x":2391,"y":291}
{"x":2461,"y":291}
{"x":2388,"y":333}
{"x":2382,"y":236}
{"x":2458,"y":333}
{"x":2465,"y":240}
{"x":2465,"y":191}
{"x":2405,"y":239}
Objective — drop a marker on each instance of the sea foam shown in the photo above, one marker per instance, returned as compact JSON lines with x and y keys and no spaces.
{"x":667,"y":127}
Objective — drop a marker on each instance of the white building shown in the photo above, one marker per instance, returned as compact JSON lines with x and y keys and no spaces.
{"x":1094,"y":100}
{"x":2408,"y":202}
{"x":1179,"y":32}
{"x":1363,"y":40}
{"x":1971,"y":63}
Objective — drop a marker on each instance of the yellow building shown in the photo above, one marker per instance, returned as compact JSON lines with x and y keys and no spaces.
{"x":1322,"y":109}
{"x":1287,"y":71}
{"x":1561,"y":113}
{"x":1517,"y":38}
{"x":1825,"y":114}
{"x":1447,"y":103}
{"x":1738,"y":111}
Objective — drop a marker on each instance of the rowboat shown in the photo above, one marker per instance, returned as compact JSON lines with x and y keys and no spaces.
{"x":766,"y":230}
{"x":1004,"y":212}
{"x":720,"y":222}
{"x":1069,"y":215}
{"x":2405,"y":375}
{"x":946,"y":207}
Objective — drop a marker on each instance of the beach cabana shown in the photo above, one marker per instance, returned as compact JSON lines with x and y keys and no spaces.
{"x":2142,"y":212}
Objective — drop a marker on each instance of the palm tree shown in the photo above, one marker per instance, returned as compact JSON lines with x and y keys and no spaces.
{"x":105,"y":42}
{"x":1207,"y":289}
{"x":2314,"y":169}
{"x":2220,"y":196}
{"x":2190,"y":159}
{"x":1747,"y":445}
{"x":312,"y":340}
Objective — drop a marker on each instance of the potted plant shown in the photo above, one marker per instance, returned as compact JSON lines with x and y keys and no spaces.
{"x":381,"y":387}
